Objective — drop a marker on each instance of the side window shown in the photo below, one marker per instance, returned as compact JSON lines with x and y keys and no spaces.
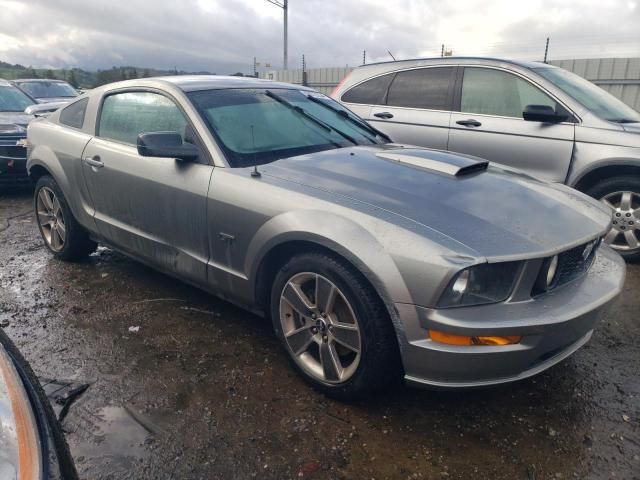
{"x":371,"y":92}
{"x":126,"y":115}
{"x":73,"y":115}
{"x":493,"y":92}
{"x":422,"y":88}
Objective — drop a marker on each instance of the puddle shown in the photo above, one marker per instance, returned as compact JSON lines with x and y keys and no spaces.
{"x":109,"y":432}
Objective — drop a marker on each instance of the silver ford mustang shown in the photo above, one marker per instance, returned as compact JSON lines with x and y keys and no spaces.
{"x":374,"y":260}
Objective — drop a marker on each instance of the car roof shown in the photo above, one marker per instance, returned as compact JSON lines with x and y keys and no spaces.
{"x":521,"y":63}
{"x":192,"y":83}
{"x":48,"y":80}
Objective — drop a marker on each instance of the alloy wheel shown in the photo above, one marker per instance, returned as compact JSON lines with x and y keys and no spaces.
{"x":51,"y":219}
{"x":625,"y":231}
{"x":320,"y":328}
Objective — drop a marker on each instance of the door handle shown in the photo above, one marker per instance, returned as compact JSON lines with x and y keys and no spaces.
{"x":469,"y":123}
{"x":94,"y":161}
{"x":383,"y":115}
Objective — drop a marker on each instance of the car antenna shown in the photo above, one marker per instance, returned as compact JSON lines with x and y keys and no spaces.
{"x":255,"y":173}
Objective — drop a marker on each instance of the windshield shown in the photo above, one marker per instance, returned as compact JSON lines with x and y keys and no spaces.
{"x":46,"y":89}
{"x":256,"y":126}
{"x":12,"y":99}
{"x":603,"y":104}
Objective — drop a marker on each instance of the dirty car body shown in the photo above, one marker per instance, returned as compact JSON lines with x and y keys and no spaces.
{"x":483,"y":276}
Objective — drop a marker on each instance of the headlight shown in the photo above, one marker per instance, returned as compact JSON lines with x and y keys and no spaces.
{"x":480,"y":284}
{"x":20,"y":455}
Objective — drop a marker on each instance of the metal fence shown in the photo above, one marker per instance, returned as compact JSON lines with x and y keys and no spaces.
{"x":618,"y":76}
{"x":322,"y":79}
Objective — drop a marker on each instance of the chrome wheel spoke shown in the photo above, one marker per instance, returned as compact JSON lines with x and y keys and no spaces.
{"x":297,"y":300}
{"x":45,"y":200}
{"x":631,"y":239}
{"x":346,"y":335}
{"x":325,"y":294}
{"x":625,"y":201}
{"x":331,"y":366}
{"x":611,"y":236}
{"x":50,"y":218}
{"x":60,"y":230}
{"x":608,"y":203}
{"x":299,"y":340}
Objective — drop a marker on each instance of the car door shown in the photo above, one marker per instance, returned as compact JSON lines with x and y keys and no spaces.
{"x":411,"y":106}
{"x":488,"y":123}
{"x":151,"y":207}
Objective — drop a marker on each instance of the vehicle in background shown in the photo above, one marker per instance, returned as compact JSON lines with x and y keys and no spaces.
{"x":17,"y":109}
{"x":373,"y":260}
{"x":47,"y":90}
{"x":32,"y":445}
{"x":541,"y":119}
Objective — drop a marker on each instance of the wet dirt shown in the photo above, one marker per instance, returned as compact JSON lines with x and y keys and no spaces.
{"x":202,"y":390}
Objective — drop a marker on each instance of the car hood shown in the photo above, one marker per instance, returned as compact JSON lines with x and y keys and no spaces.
{"x":14,"y":118}
{"x":497,"y":213}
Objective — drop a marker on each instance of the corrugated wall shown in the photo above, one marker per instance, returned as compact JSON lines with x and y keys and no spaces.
{"x":322,"y":79}
{"x":618,"y":76}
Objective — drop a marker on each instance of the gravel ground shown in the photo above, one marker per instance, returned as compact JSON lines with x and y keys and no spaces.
{"x":202,"y":390}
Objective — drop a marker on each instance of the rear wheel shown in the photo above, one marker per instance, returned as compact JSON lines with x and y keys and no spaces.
{"x":61,"y":233}
{"x":622,"y":195}
{"x":333,"y":326}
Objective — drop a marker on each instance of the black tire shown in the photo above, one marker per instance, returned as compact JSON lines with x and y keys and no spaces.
{"x":77,"y":243}
{"x":57,"y":460}
{"x":380,"y":364}
{"x":618,"y":184}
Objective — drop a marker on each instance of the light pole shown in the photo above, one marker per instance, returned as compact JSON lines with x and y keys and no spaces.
{"x":283,"y":5}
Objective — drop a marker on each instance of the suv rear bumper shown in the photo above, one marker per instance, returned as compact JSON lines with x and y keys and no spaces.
{"x":552,"y":326}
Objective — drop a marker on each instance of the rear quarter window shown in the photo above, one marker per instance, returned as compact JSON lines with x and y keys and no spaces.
{"x":73,"y":115}
{"x":370,"y":92}
{"x":426,"y":88}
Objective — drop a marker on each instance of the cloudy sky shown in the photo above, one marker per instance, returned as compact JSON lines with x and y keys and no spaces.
{"x":223,"y":36}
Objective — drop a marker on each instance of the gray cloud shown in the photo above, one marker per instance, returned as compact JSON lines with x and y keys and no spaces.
{"x":224,"y":35}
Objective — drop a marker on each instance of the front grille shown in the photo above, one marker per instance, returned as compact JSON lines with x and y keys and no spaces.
{"x":572,"y":264}
{"x":13,"y":152}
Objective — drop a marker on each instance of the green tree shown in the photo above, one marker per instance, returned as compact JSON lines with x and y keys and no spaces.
{"x":72,"y":79}
{"x":50,"y":74}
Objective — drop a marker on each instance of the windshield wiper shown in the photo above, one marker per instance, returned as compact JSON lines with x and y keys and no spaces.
{"x":307,"y":115}
{"x":623,"y":120}
{"x":351,"y":118}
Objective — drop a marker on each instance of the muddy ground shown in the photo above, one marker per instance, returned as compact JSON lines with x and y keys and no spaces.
{"x":202,"y":390}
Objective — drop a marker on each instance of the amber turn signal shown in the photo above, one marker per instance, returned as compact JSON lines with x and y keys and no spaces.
{"x":449,"y":339}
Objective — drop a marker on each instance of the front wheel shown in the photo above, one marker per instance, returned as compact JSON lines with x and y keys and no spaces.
{"x":622,"y":195}
{"x":333,"y":326}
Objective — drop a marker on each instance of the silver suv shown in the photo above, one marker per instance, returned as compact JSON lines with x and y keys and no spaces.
{"x":541,"y":119}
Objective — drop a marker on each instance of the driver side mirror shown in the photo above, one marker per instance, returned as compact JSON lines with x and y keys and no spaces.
{"x":167,"y":145}
{"x":542,"y":113}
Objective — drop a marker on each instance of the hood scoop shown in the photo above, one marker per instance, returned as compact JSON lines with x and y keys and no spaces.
{"x":436,"y":161}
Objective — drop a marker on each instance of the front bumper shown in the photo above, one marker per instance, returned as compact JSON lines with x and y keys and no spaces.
{"x":552,"y":326}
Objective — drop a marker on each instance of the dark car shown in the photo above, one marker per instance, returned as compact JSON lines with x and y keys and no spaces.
{"x":17,"y":109}
{"x":32,"y":445}
{"x":46,"y":90}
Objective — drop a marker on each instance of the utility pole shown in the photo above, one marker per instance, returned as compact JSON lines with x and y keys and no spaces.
{"x":304,"y":71}
{"x":364,"y":57}
{"x":442,"y":51}
{"x":546,"y":50}
{"x":255,"y":68}
{"x":283,"y":4}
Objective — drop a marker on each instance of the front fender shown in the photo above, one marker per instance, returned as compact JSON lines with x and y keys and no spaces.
{"x":339,"y":234}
